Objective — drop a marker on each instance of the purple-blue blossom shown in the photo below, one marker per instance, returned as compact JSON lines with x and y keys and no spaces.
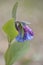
{"x":22,"y":27}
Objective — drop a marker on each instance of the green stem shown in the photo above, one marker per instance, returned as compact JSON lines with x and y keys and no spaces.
{"x":9,"y":42}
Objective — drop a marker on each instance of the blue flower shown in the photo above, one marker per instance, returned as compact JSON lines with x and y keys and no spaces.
{"x":28,"y":33}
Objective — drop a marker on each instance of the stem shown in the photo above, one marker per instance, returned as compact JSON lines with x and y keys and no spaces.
{"x":9,"y":42}
{"x":8,"y":45}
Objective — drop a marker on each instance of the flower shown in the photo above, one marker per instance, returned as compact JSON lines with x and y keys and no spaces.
{"x":25,"y":32}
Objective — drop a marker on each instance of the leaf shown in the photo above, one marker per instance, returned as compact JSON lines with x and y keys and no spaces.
{"x":14,"y":10}
{"x":10,"y":30}
{"x":16,"y":51}
{"x":9,"y":27}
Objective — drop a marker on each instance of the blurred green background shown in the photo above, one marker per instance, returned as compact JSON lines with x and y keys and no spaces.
{"x":28,"y":10}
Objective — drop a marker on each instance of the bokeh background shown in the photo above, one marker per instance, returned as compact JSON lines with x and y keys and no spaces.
{"x":31,"y":11}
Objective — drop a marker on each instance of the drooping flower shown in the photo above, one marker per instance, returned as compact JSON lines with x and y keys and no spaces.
{"x":25,"y":32}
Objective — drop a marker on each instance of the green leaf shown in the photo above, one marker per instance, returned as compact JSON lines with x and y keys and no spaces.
{"x":14,"y":10}
{"x":10,"y":30}
{"x":16,"y":51}
{"x":9,"y":27}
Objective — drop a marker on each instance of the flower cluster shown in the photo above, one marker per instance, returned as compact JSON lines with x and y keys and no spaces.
{"x":25,"y":32}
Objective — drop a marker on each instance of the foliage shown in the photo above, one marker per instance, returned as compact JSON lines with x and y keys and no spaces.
{"x":16,"y":50}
